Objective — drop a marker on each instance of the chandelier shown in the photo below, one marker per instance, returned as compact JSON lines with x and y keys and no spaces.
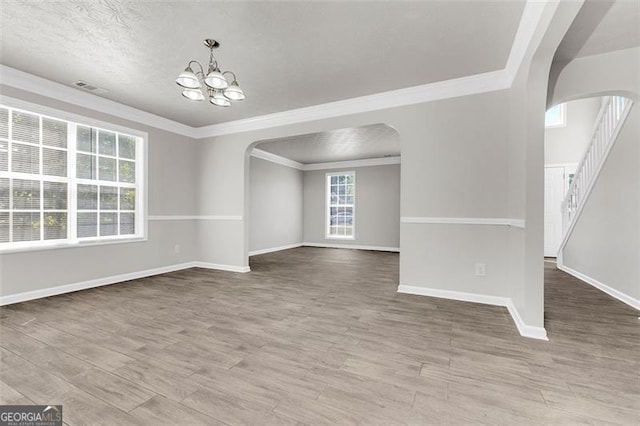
{"x":219,"y":90}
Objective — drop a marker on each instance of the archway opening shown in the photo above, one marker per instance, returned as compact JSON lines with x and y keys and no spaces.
{"x":591,"y":205}
{"x":334,"y":189}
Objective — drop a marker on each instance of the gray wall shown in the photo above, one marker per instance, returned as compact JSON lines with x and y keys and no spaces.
{"x":377,"y":207}
{"x":605,"y":244}
{"x":168,"y":193}
{"x":567,"y":144}
{"x":275,"y":206}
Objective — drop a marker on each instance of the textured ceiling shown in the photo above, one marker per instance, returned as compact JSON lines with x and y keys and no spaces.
{"x":286,"y":54}
{"x":373,"y":141}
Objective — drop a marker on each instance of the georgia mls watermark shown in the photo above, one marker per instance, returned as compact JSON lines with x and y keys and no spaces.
{"x":30,"y":415}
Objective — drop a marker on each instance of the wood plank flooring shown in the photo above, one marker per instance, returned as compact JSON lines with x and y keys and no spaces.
{"x":317,"y":336}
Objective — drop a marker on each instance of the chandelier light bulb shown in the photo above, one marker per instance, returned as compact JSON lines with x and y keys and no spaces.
{"x":219,"y":99}
{"x":234,"y":92}
{"x":193,"y":94}
{"x":188,"y":79}
{"x":216,"y":80}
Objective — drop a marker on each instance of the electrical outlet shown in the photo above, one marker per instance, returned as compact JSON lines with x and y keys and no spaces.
{"x":481,"y":269}
{"x":176,"y":249}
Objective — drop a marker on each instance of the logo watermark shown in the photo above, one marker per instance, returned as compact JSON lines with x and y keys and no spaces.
{"x":30,"y":415}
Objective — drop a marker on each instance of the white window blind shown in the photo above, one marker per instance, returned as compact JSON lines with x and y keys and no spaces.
{"x":341,"y":198}
{"x":65,"y":182}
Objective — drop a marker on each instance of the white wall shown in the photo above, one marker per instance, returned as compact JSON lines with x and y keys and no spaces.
{"x":171,"y":192}
{"x":605,"y":243}
{"x":527,"y":105}
{"x":456,"y":168}
{"x":567,"y":144}
{"x":598,"y":75}
{"x":377,"y":213}
{"x":275,"y":207}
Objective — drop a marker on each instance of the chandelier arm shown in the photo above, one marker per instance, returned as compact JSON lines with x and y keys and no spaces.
{"x":232,"y":73}
{"x":201,"y":69}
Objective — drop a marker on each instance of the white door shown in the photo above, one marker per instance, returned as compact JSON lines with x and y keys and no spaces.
{"x":554,"y":190}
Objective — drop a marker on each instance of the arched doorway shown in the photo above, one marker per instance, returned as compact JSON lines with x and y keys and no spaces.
{"x":287,"y":199}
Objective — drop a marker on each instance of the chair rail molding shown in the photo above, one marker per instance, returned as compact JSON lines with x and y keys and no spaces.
{"x":497,"y":221}
{"x":193,"y":217}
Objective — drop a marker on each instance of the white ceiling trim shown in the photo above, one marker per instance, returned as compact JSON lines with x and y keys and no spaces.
{"x":283,"y":161}
{"x":382,"y":161}
{"x":464,"y":86}
{"x":41,"y":86}
{"x":528,"y":22}
{"x":479,"y":83}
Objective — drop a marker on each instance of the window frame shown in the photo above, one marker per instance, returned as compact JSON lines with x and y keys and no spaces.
{"x":141,"y":176}
{"x":327,"y":209}
{"x":563,"y":117}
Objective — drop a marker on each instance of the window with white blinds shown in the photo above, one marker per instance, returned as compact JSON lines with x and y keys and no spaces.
{"x":65,"y":182}
{"x":341,"y":204}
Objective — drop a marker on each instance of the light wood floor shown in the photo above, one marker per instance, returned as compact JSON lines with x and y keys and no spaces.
{"x":317,"y":336}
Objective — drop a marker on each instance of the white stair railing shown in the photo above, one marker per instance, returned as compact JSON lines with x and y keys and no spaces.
{"x":613,"y":112}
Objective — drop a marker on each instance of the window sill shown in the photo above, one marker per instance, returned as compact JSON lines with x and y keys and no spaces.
{"x":337,"y":237}
{"x":68,"y":245}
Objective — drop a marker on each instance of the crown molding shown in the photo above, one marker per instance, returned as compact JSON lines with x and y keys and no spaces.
{"x":382,"y":161}
{"x":464,"y":86}
{"x":531,"y":15}
{"x":478,"y":83}
{"x":41,"y":86}
{"x":283,"y":161}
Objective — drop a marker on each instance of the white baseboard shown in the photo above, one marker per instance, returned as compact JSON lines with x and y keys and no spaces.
{"x":533,"y":332}
{"x":624,"y":298}
{"x":524,"y":329}
{"x":98,"y":282}
{"x":114,"y":279}
{"x":454,"y":295}
{"x":274,"y":249}
{"x":220,"y":267}
{"x":351,"y":246}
